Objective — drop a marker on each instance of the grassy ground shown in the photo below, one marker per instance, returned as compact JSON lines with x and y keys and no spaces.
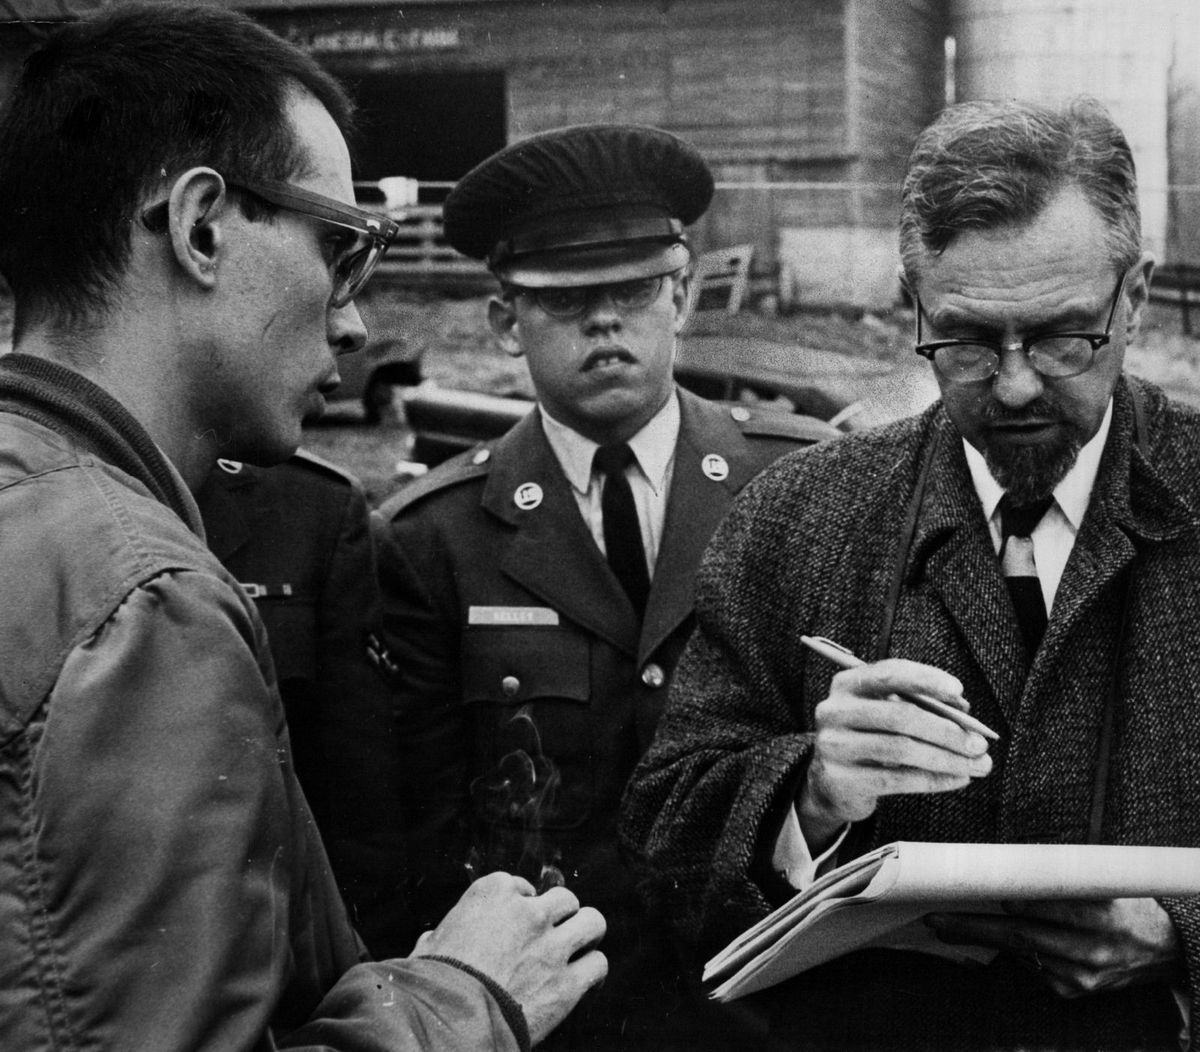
{"x":877,"y":366}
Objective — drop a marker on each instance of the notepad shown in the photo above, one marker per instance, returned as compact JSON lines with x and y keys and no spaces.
{"x":878,"y":900}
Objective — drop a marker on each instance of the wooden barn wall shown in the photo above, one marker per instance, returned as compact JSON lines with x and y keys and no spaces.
{"x":759,"y":86}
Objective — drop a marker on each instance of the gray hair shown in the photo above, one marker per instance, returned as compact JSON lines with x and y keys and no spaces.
{"x":989,"y":164}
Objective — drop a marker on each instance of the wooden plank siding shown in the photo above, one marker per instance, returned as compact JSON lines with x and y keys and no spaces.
{"x":770,"y":91}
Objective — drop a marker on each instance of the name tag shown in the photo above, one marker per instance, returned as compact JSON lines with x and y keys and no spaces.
{"x":511,"y":615}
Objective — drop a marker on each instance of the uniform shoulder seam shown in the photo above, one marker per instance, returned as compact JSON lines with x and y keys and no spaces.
{"x":777,"y":424}
{"x":462,"y":468}
{"x":306,"y":459}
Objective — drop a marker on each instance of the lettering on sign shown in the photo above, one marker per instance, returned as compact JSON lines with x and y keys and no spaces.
{"x":385,"y":41}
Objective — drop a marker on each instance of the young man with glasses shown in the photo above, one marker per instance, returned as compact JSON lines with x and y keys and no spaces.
{"x":1029,"y":547}
{"x":176,"y":228}
{"x":538,"y":589}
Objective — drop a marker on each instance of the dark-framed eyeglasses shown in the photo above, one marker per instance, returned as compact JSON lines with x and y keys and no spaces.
{"x":570,"y":301}
{"x":1053,"y":354}
{"x":354,"y":263}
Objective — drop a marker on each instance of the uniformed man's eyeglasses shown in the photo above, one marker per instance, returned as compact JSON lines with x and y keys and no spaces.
{"x":1053,"y":354}
{"x":353,"y":262}
{"x":570,"y":301}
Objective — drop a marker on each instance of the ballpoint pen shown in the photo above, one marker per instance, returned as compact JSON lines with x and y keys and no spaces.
{"x":843,"y":658}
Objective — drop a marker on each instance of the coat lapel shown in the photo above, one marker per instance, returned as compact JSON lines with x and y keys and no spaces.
{"x":953,"y":549}
{"x":1131,"y":508}
{"x":552,"y":554}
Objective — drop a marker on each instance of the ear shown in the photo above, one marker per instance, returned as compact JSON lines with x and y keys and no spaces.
{"x":196,"y":208}
{"x":905,"y":285}
{"x":1137,"y":292}
{"x":502,"y":317}
{"x":681,"y":298}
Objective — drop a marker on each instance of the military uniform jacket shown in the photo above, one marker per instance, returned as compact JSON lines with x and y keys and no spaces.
{"x":524,"y":689}
{"x":810,"y":549}
{"x":296,"y":537}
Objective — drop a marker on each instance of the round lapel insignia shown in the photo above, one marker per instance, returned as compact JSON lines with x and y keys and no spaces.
{"x":528,"y":496}
{"x":715,"y":466}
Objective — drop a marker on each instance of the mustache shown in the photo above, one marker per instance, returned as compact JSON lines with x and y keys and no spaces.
{"x":1043,"y":408}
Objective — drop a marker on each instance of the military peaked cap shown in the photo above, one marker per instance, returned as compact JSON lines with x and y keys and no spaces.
{"x":581,"y":205}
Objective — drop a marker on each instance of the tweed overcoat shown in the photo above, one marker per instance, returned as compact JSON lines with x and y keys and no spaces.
{"x":811,"y":548}
{"x":520,"y":662}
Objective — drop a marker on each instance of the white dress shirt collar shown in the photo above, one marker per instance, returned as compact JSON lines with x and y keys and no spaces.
{"x":1071,"y":495}
{"x":1054,"y":536}
{"x":653,"y":446}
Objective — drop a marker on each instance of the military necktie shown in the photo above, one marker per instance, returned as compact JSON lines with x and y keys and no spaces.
{"x":622,"y":531}
{"x":1017,"y":522}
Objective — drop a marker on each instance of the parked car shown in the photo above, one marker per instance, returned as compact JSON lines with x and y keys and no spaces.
{"x":371,"y":374}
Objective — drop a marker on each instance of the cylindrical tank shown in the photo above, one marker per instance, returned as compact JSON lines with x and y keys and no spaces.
{"x":1050,"y":51}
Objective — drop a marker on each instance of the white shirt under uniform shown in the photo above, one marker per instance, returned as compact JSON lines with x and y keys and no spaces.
{"x":649,"y":481}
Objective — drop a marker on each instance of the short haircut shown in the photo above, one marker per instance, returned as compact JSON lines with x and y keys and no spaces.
{"x":107,"y":112}
{"x":989,"y":164}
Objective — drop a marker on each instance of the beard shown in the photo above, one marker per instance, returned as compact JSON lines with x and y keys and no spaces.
{"x":1030,"y":473}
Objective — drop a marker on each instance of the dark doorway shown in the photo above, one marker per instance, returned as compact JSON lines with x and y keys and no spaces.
{"x":433,"y":127}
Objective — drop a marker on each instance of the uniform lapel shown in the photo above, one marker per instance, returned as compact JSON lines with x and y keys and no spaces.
{"x":695,"y":507}
{"x":225,"y":527}
{"x":551,"y":553}
{"x":953,"y":549}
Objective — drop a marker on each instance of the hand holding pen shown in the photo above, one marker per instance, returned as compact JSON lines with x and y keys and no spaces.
{"x":889,"y":727}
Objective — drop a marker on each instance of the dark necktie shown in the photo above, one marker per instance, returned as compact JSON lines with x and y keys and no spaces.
{"x":622,"y":532}
{"x":1017,"y":522}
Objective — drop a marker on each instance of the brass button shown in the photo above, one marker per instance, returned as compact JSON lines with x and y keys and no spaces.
{"x":653,"y":676}
{"x":509,"y":685}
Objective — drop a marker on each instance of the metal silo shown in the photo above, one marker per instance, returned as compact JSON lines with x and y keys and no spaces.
{"x":1052,"y":50}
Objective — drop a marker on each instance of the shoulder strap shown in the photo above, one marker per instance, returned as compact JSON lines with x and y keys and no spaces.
{"x":473,"y":464}
{"x":1104,"y":752}
{"x":912,"y":516}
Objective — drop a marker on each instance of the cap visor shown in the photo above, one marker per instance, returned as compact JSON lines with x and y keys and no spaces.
{"x":595,"y":265}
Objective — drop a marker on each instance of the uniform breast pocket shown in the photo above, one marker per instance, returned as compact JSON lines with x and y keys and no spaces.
{"x":291,"y":624}
{"x":528,"y":692}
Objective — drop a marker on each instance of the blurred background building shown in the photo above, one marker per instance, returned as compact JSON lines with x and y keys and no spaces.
{"x":806,"y":109}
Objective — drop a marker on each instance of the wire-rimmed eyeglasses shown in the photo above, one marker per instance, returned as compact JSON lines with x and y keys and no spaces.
{"x":1053,"y":354}
{"x":570,"y":301}
{"x":354,"y":263}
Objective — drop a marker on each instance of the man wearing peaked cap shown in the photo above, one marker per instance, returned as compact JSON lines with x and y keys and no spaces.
{"x":538,"y":589}
{"x":582,"y":205}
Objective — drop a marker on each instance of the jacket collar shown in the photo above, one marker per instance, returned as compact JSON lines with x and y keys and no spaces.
{"x":72,"y":405}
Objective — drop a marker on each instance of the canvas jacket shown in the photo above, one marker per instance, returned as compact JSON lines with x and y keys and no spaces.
{"x":161,"y":883}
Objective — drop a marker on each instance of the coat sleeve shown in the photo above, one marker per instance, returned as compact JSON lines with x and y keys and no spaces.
{"x":423,"y":636}
{"x":1185,"y":915}
{"x":706,"y":803}
{"x":181,"y":896}
{"x":410,"y":1004}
